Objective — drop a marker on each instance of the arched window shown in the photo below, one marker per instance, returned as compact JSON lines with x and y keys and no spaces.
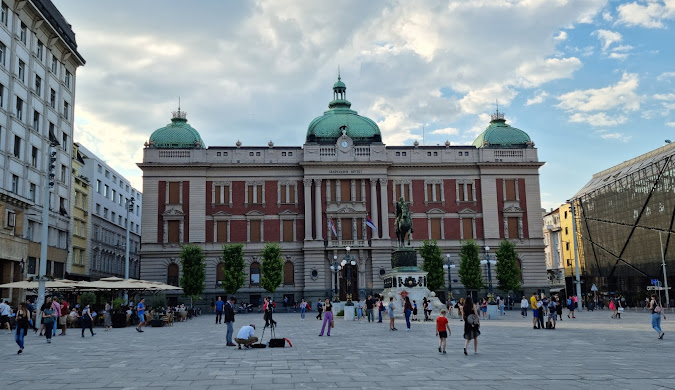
{"x":289,"y":272}
{"x":172,"y":275}
{"x":255,"y":273}
{"x":220,"y":274}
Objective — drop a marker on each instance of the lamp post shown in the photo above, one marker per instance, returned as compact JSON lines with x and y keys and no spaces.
{"x":335,"y":267}
{"x":48,"y":185}
{"x":349,"y":260}
{"x":130,"y":208}
{"x":449,"y":265}
{"x":489,"y":263}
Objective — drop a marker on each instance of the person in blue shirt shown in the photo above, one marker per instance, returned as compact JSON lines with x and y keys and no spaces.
{"x":219,"y":310}
{"x":140,"y":312}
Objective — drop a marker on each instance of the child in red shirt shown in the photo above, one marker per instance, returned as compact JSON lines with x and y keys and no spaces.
{"x":442,"y":330}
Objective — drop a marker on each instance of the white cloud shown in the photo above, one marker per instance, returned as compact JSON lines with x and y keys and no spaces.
{"x":561,"y":36}
{"x":604,"y":134}
{"x":646,"y":13}
{"x":447,"y":131}
{"x":608,"y":38}
{"x":664,"y":96}
{"x":618,"y":56}
{"x":670,"y":124}
{"x":666,"y":76}
{"x":536,"y":73}
{"x":599,"y":119}
{"x":538,"y":98}
{"x":622,"y":95}
{"x":607,"y":17}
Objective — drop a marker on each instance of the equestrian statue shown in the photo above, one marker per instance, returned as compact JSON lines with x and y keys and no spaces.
{"x":403,"y":223}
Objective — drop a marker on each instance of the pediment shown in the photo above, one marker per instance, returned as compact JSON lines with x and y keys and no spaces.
{"x":288,"y":212}
{"x":255,"y":213}
{"x":513,"y":209}
{"x":221,"y":214}
{"x":435,"y":211}
{"x":346,"y":210}
{"x":467,"y":211}
{"x":174,"y":212}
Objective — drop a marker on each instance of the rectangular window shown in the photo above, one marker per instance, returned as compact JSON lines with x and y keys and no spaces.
{"x":17,"y":146}
{"x":510,"y":186}
{"x":52,"y":98}
{"x":107,"y":174}
{"x":221,"y":227}
{"x":287,"y":193}
{"x":40,"y":49}
{"x":2,"y":95}
{"x":112,"y":216}
{"x":34,"y":157}
{"x":15,"y":184}
{"x":52,"y":134}
{"x":98,"y":209}
{"x":467,"y":229}
{"x":3,"y":53}
{"x":113,"y":196}
{"x":288,"y":230}
{"x":55,"y":63}
{"x":64,"y":144}
{"x":23,"y":33}
{"x":345,"y":191}
{"x":222,"y":194}
{"x":433,"y":192}
{"x":31,"y":192}
{"x":98,"y":186}
{"x":19,"y":108}
{"x":255,"y":194}
{"x":36,"y":121}
{"x":66,"y":109}
{"x":513,"y":227}
{"x":106,"y":191}
{"x":346,"y":228}
{"x":174,"y":232}
{"x":100,"y":169}
{"x":22,"y":71}
{"x":435,"y":228}
{"x":357,"y":191}
{"x":174,"y":192}
{"x":4,"y":17}
{"x":67,"y":79}
{"x":63,"y":173}
{"x":255,"y":231}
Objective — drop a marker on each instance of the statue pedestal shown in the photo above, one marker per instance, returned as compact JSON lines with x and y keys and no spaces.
{"x":493,"y":312}
{"x":349,"y":313}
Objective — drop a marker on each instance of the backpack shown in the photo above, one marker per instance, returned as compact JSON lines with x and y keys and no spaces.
{"x":472,"y":319}
{"x":657,"y":309}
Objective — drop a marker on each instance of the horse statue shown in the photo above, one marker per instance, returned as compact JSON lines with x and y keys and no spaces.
{"x":403,"y":223}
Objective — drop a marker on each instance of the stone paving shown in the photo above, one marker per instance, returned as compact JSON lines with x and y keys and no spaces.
{"x":589,"y":352}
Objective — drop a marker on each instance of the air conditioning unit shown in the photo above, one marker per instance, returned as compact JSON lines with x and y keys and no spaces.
{"x":11,"y":219}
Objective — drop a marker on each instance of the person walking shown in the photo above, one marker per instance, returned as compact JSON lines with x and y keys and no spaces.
{"x":442,"y":331}
{"x":22,"y":323}
{"x":541,"y":310}
{"x":370,"y":304}
{"x":327,"y":318}
{"x":523,"y":306}
{"x":303,"y":308}
{"x":483,"y":307}
{"x":558,"y":307}
{"x":63,"y":319}
{"x":87,"y":321}
{"x":407,"y":312}
{"x":535,"y":312}
{"x":501,"y":307}
{"x":319,"y":308}
{"x":107,"y":317}
{"x":657,"y":313}
{"x":570,"y":307}
{"x":48,"y":317}
{"x":460,"y":309}
{"x":390,"y":312}
{"x":229,"y":321}
{"x":219,"y":310}
{"x":359,"y":311}
{"x":471,"y":325}
{"x":56,"y":306}
{"x":414,"y":314}
{"x":140,"y":313}
{"x":380,"y":309}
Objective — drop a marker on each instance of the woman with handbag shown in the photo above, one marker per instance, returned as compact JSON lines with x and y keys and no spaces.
{"x":390,"y":312}
{"x":327,"y":317}
{"x":471,"y":324}
{"x":657,"y":312}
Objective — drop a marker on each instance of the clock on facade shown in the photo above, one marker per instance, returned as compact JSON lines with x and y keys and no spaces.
{"x":344,"y":144}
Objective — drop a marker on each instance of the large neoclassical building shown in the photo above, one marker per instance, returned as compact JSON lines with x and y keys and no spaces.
{"x":314,"y":201}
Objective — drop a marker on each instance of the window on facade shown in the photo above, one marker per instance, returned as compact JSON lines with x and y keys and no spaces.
{"x":346,"y":229}
{"x":4,"y":17}
{"x":287,"y":226}
{"x":173,"y":236}
{"x":510,"y":187}
{"x":55,"y":64}
{"x":68,"y":78}
{"x":513,"y":227}
{"x":63,"y":173}
{"x":287,"y":193}
{"x":23,"y":32}
{"x":15,"y":184}
{"x":105,"y":212}
{"x":112,"y":216}
{"x":398,"y":153}
{"x":98,"y":186}
{"x":467,"y":229}
{"x":34,"y":157}
{"x":435,"y":228}
{"x":19,"y":108}
{"x":254,"y":272}
{"x":64,"y":143}
{"x":221,"y":231}
{"x":36,"y":120}
{"x":52,"y":98}
{"x":345,"y":190}
{"x":289,"y":273}
{"x":17,"y":146}
{"x":3,"y":53}
{"x":174,"y":192}
{"x":66,"y":109}
{"x":98,"y":209}
{"x":255,"y":194}
{"x":433,"y":192}
{"x":402,"y":190}
{"x":31,"y":192}
{"x":254,"y":226}
{"x":22,"y":71}
{"x":2,"y":95}
{"x":466,"y":192}
{"x":172,"y":275}
{"x":222,"y":194}
{"x":106,"y":191}
{"x":39,"y":50}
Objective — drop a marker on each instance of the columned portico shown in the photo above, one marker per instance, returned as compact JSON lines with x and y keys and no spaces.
{"x":308,"y":208}
{"x":384,"y":205}
{"x":373,"y":208}
{"x":317,"y":209}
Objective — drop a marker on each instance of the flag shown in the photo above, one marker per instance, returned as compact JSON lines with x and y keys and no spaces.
{"x":332,"y":227}
{"x":370,"y":223}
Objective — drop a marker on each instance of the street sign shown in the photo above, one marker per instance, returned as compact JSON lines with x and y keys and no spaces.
{"x":594,"y":287}
{"x":654,"y":281}
{"x":654,"y":288}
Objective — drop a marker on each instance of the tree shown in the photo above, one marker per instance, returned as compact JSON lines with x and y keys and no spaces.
{"x":87,"y":298}
{"x":433,"y":264}
{"x":194,"y":271}
{"x":508,"y":273}
{"x":233,"y":268}
{"x":469,"y":267}
{"x":272,"y":267}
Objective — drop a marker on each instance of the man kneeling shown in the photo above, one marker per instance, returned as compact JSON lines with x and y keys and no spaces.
{"x":245,"y":336}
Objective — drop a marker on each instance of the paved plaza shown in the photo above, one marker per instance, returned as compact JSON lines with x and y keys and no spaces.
{"x":590,"y":352}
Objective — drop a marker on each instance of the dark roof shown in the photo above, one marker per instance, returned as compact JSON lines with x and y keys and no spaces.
{"x":63,"y":28}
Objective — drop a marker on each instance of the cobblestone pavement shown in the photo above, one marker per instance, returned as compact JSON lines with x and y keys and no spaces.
{"x":589,"y":352}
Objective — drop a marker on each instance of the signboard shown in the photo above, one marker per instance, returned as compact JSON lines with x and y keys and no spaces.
{"x":654,"y":281}
{"x":594,"y":287}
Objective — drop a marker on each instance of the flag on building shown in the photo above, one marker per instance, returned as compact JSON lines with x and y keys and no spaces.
{"x":370,"y":223}
{"x":332,"y":227}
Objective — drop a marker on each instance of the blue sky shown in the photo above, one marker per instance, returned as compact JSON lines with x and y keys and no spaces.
{"x":591,"y":81}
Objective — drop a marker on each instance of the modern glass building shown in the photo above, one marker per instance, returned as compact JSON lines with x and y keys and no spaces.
{"x":624,"y":220}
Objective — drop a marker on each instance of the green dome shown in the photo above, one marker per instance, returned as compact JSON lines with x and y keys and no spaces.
{"x":176,"y":135}
{"x":500,"y":135}
{"x":340,"y":118}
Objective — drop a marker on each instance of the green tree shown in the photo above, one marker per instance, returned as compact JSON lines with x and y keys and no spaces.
{"x":87,"y":298}
{"x":194,"y":271}
{"x":469,"y":267}
{"x":508,"y":274}
{"x":271,"y":268}
{"x":433,"y":264}
{"x":233,"y":268}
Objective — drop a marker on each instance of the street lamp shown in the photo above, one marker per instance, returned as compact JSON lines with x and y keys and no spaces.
{"x":335,"y":267}
{"x":348,"y":259}
{"x":130,"y":208}
{"x":489,"y":263}
{"x":449,"y":265}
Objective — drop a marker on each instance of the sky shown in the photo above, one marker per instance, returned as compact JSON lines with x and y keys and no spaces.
{"x":591,"y":81}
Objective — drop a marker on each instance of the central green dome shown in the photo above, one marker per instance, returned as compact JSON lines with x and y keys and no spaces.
{"x":500,"y":135}
{"x":341,"y":119}
{"x":176,"y":135}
